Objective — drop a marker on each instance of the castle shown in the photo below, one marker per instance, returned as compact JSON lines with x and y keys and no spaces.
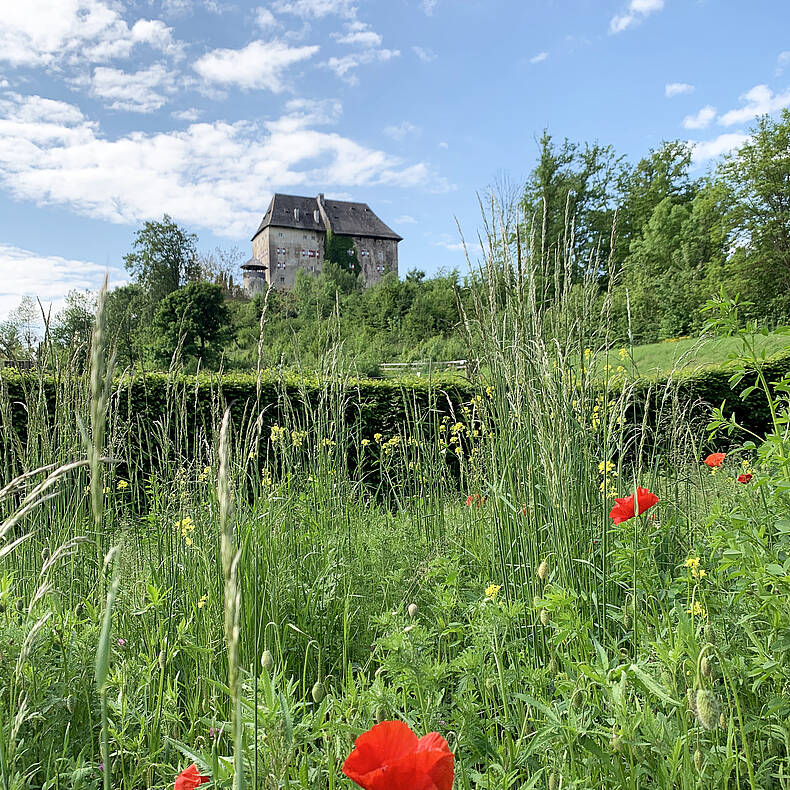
{"x":293,"y":232}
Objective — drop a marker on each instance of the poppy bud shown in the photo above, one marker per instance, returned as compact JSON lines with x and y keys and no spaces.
{"x":318,"y":692}
{"x":412,"y":609}
{"x":577,"y":699}
{"x":699,"y":760}
{"x":20,"y":606}
{"x":553,"y":781}
{"x":545,"y":617}
{"x":543,"y":570}
{"x":381,"y":714}
{"x":705,"y":667}
{"x":161,"y":659}
{"x":708,"y":709}
{"x":616,"y":742}
{"x":267,"y":660}
{"x":553,"y":666}
{"x":45,"y":554}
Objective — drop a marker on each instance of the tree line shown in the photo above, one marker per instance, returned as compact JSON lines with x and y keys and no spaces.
{"x":658,"y":240}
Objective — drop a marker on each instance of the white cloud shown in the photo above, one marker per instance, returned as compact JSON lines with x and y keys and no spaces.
{"x":264,"y":18}
{"x":700,"y":120}
{"x":211,"y":175}
{"x":46,"y":277}
{"x":138,"y":91}
{"x":425,"y":55}
{"x":429,"y":6}
{"x":677,"y":88}
{"x":636,"y":12}
{"x":702,"y":151}
{"x":444,"y":145}
{"x":259,"y":65}
{"x":44,"y":32}
{"x":646,"y":6}
{"x":759,"y":100}
{"x":539,"y":58}
{"x":345,"y":66}
{"x":782,"y":61}
{"x":405,"y":219}
{"x":190,"y":114}
{"x":317,"y":8}
{"x":402,"y":130}
{"x":360,"y":38}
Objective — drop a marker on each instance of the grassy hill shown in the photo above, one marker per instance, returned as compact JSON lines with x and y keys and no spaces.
{"x":690,"y":354}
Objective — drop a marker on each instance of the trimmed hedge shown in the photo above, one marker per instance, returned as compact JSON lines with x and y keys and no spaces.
{"x":370,"y":406}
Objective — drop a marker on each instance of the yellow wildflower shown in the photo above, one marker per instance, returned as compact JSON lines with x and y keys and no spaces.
{"x":365,"y":442}
{"x":492,"y":590}
{"x":122,"y":484}
{"x":202,"y":601}
{"x":623,"y":352}
{"x":697,"y":610}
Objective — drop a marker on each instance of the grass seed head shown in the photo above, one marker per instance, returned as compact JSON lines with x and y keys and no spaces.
{"x":545,"y":617}
{"x":708,"y":709}
{"x":543,"y":570}
{"x":723,"y":720}
{"x":554,"y":781}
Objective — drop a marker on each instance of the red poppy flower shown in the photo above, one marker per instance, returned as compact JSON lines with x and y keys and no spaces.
{"x":715,"y":459}
{"x":389,"y":756}
{"x":744,"y":478}
{"x":189,"y":779}
{"x":624,"y":508}
{"x":476,"y":499}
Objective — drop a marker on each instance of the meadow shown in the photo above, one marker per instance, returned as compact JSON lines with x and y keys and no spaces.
{"x":250,"y":597}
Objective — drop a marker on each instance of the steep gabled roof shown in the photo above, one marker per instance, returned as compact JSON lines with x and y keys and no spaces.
{"x":357,"y":219}
{"x":281,"y":214}
{"x":345,"y":218}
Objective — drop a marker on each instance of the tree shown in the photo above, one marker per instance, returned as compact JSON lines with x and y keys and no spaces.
{"x":758,"y":179}
{"x":194,"y":318}
{"x":126,"y":309}
{"x":663,"y":173}
{"x":571,"y":193}
{"x":18,"y":334}
{"x":164,"y":259}
{"x":73,"y":325}
{"x":222,"y":267}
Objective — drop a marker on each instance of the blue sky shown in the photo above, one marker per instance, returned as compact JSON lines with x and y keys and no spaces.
{"x":113,"y":113}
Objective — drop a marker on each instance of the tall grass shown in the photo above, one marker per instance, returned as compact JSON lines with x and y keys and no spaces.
{"x":266,"y":564}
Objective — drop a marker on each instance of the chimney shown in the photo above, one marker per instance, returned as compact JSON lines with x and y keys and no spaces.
{"x":296,"y":214}
{"x":322,"y":210}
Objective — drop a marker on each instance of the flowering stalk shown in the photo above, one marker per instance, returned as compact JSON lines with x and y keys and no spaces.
{"x":230,"y":561}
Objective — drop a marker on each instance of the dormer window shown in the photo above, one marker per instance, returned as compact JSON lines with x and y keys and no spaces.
{"x":296,"y":214}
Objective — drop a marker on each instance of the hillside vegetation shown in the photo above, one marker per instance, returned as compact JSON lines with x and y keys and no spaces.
{"x":656,"y":241}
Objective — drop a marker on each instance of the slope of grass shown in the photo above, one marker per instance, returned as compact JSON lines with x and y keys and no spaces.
{"x":691,"y":354}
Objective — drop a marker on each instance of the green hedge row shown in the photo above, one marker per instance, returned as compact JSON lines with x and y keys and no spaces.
{"x":369,"y":406}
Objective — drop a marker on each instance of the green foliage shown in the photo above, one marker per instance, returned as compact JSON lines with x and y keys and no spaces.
{"x":193,"y":320}
{"x":164,"y":258}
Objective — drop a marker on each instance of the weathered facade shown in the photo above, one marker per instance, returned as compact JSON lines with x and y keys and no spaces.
{"x":292,"y":235}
